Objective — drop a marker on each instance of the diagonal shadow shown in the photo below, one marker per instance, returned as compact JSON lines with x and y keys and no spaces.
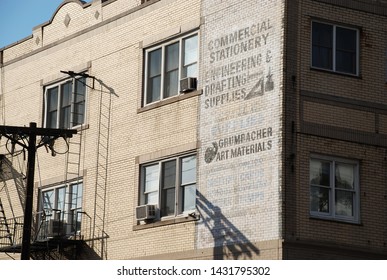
{"x":110,"y":89}
{"x":229,"y":241}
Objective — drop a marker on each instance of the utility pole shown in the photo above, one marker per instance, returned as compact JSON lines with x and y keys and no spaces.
{"x":14,"y":134}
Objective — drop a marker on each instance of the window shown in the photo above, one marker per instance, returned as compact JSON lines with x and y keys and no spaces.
{"x":334,"y":188}
{"x":335,"y":48}
{"x":170,"y":184}
{"x":167,"y":64}
{"x":65,"y":103}
{"x":63,"y":204}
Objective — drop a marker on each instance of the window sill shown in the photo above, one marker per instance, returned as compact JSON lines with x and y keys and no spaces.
{"x":81,"y":127}
{"x":335,"y":220}
{"x":166,"y":222}
{"x":77,"y":128}
{"x":335,"y":72}
{"x":168,"y":101}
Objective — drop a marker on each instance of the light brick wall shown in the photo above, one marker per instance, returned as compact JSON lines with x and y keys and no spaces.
{"x":112,"y":53}
{"x":113,"y":8}
{"x":23,"y":46}
{"x":71,"y":18}
{"x":239,"y":193}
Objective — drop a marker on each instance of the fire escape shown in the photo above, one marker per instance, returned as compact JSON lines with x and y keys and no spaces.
{"x":10,"y":229}
{"x":24,"y":234}
{"x":57,"y":234}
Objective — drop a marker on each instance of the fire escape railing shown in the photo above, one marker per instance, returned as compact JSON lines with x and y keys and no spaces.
{"x":45,"y":229}
{"x":13,"y":236}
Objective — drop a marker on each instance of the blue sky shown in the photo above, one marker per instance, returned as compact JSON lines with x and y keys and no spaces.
{"x":18,"y":17}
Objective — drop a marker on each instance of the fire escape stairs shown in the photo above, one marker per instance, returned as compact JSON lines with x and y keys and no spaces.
{"x":5,"y":231}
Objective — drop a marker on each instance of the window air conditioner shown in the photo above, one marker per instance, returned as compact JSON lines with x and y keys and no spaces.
{"x":187,"y":84}
{"x":145,"y":212}
{"x":56,"y":228}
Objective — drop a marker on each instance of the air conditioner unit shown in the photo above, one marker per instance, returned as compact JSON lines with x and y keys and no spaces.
{"x":56,"y":228}
{"x":145,"y":212}
{"x":188,"y":84}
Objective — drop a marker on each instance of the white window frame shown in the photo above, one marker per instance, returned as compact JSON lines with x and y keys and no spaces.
{"x":59,"y":105}
{"x":334,"y":26}
{"x":332,"y":190}
{"x":179,"y":185}
{"x":65,"y":216}
{"x":163,"y":46}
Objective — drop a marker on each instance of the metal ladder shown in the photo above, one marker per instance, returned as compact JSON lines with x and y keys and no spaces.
{"x":18,"y":178}
{"x":5,"y":232}
{"x":73,"y":155}
{"x":99,"y":233}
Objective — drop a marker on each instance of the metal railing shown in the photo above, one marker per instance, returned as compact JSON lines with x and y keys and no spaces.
{"x":58,"y":224}
{"x":15,"y":232}
{"x":45,"y":227}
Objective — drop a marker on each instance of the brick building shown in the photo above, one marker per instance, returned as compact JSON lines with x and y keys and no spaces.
{"x":205,"y":130}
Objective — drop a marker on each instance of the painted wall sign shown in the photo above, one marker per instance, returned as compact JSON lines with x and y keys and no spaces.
{"x":228,"y":82}
{"x":239,"y":145}
{"x":240,"y":122}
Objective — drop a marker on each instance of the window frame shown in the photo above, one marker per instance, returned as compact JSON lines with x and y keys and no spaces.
{"x":69,"y":215}
{"x":59,"y":106}
{"x":331,"y":214}
{"x":163,"y":71}
{"x":334,"y":48}
{"x":179,"y":186}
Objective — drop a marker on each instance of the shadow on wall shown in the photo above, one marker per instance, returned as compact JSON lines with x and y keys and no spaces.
{"x":86,"y":252}
{"x":229,"y":242}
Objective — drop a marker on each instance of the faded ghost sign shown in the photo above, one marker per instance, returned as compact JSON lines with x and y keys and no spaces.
{"x":239,"y":145}
{"x":240,"y":121}
{"x":228,"y":81}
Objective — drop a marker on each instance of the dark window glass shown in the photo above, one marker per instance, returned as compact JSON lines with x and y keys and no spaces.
{"x":322,"y":45}
{"x":346,"y":46}
{"x":168,"y":188}
{"x":154,"y":76}
{"x":52,"y":107}
{"x":171,"y":70}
